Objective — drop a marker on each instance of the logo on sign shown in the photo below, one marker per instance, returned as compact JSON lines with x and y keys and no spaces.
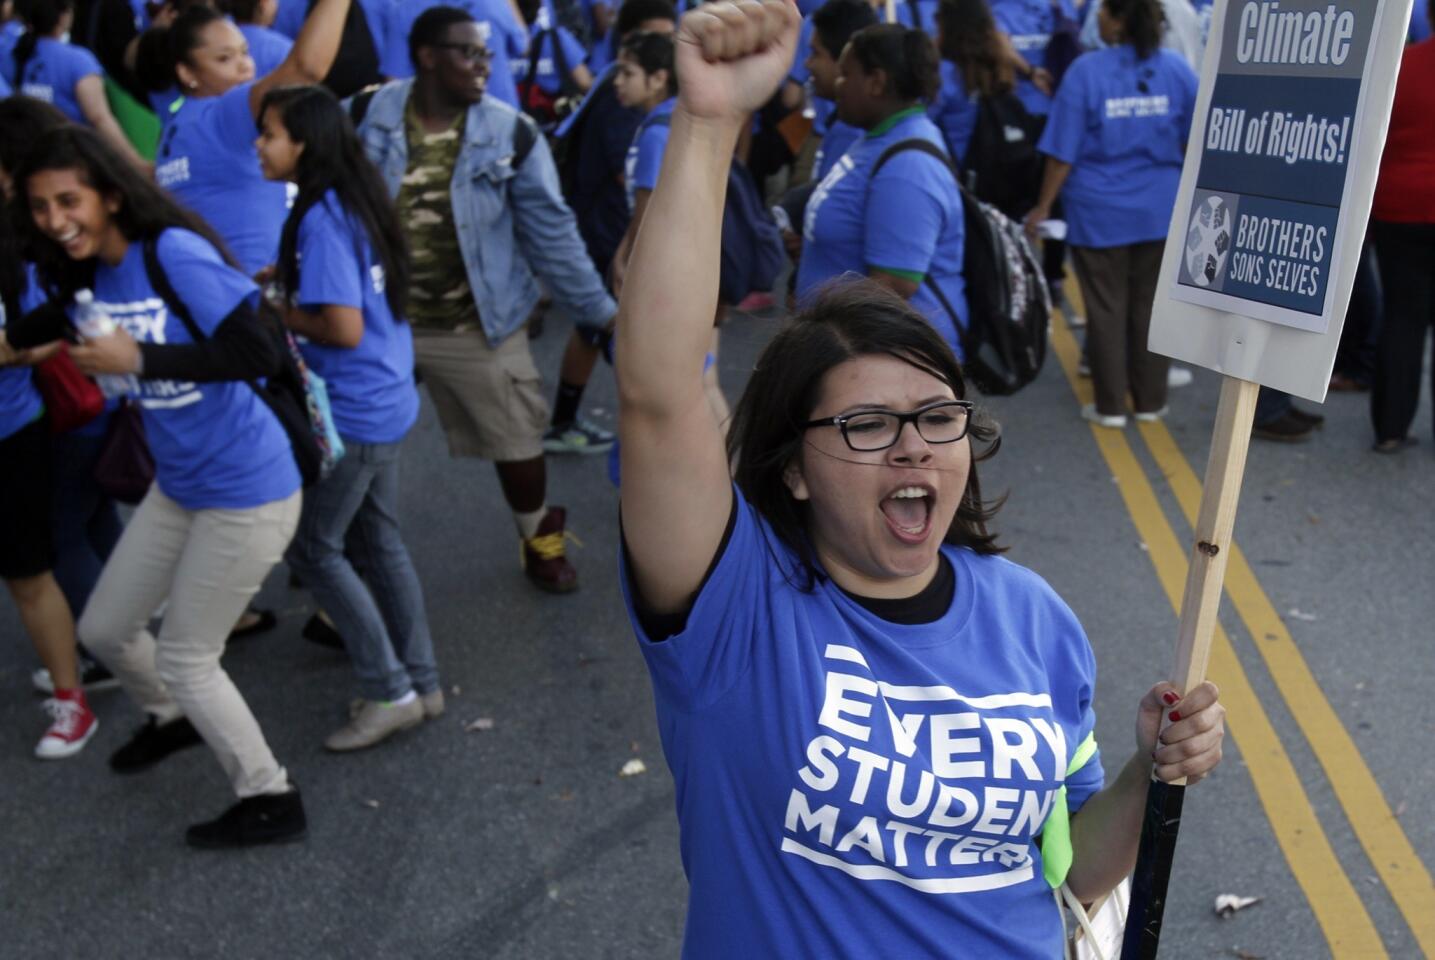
{"x":1208,"y":241}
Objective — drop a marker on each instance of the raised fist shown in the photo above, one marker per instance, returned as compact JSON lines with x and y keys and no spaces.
{"x":731,"y":56}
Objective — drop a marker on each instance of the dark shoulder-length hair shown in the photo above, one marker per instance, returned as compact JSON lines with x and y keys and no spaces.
{"x":846,"y":320}
{"x":333,"y":159}
{"x":1142,"y":22}
{"x":145,"y":211}
{"x":970,"y":40}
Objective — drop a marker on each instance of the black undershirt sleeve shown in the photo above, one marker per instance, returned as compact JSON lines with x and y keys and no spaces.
{"x":239,"y":349}
{"x":658,"y":627}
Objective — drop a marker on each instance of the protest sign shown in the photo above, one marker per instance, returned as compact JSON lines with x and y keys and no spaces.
{"x":1276,"y":190}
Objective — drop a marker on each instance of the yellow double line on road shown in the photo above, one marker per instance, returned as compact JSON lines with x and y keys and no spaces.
{"x":1338,"y":909}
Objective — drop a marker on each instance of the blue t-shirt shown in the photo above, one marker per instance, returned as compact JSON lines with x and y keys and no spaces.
{"x":267,"y":47}
{"x":1030,"y":23}
{"x":954,"y":111}
{"x":645,"y":156}
{"x":500,"y":31}
{"x":207,"y":159}
{"x":215,"y":445}
{"x":1122,"y":124}
{"x":371,"y":386}
{"x":20,"y":400}
{"x":292,"y":14}
{"x":909,"y":221}
{"x":839,"y":138}
{"x":1419,"y":23}
{"x":52,"y":73}
{"x":849,"y":787}
{"x":548,"y":79}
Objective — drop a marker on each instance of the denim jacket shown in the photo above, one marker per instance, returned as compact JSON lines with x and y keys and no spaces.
{"x":511,"y":223}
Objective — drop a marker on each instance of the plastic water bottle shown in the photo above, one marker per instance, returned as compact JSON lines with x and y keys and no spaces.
{"x":92,"y":322}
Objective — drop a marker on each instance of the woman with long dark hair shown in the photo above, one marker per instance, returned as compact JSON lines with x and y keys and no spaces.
{"x":226,"y":496}
{"x":976,"y":63}
{"x":27,"y":483}
{"x":206,"y":152}
{"x":342,"y":277}
{"x":43,"y":64}
{"x":869,"y":715}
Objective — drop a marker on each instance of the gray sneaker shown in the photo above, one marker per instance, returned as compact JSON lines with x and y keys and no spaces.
{"x":373,"y":723}
{"x":580,"y":437}
{"x":433,"y":704}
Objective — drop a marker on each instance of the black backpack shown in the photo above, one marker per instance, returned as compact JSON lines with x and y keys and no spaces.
{"x":283,"y":393}
{"x":1007,"y":299}
{"x":357,"y":65}
{"x":1001,"y":165}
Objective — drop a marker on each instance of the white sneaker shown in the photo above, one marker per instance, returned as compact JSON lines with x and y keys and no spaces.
{"x":1179,"y":377}
{"x":1153,"y":415}
{"x":1114,"y":421}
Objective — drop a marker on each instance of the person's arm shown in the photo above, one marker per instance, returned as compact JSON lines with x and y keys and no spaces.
{"x":904,"y":287}
{"x":618,"y":269}
{"x":312,"y":55}
{"x":90,"y":94}
{"x":582,"y":77}
{"x":1040,"y":77}
{"x":1106,"y":831}
{"x":676,"y":494}
{"x":238,"y":349}
{"x":1053,"y":178}
{"x":547,"y":236}
{"x":332,"y":326}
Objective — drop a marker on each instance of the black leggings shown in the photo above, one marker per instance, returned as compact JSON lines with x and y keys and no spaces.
{"x":1406,"y":255}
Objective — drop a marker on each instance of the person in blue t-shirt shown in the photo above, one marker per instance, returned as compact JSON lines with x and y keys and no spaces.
{"x":832,"y":25}
{"x":550,"y":47}
{"x":342,"y":277}
{"x":1115,"y":141}
{"x":598,"y":136}
{"x":902,"y":227}
{"x":869,"y":715}
{"x":975,"y":64}
{"x":43,"y":65}
{"x":226,"y":497}
{"x":206,"y":155}
{"x":504,"y":32}
{"x":27,"y":487}
{"x":1028,"y":26}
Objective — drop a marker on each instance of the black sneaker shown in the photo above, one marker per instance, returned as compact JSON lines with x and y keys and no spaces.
{"x":320,"y":631}
{"x":1316,"y":420}
{"x":270,"y":818}
{"x":153,"y":742}
{"x":1287,"y":428}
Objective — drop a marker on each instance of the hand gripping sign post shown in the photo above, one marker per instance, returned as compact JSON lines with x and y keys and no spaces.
{"x":1260,"y":259}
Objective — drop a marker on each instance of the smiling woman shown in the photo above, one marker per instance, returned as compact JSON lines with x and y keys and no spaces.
{"x":871,"y":717}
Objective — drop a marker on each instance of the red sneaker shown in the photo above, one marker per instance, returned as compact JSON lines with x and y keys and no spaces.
{"x":544,"y":558}
{"x":72,"y":728}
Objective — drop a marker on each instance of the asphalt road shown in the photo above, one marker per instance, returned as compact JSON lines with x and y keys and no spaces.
{"x":524,"y":842}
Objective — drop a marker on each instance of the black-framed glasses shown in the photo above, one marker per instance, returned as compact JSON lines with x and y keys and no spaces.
{"x":470,"y":52}
{"x":942,"y":422}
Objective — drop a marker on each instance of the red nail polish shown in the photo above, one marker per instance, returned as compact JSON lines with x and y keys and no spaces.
{"x":1175,"y":716}
{"x":1170,"y":698}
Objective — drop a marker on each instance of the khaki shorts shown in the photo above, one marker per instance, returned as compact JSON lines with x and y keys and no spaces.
{"x":489,"y":399}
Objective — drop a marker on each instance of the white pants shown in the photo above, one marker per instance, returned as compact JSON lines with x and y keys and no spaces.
{"x":208,"y":564}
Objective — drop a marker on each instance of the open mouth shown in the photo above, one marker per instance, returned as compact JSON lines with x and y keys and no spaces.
{"x":909,"y":512}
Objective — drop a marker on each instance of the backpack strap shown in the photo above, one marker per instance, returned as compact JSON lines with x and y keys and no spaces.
{"x":932,"y":150}
{"x":359,"y":103}
{"x":159,"y":280}
{"x":525,"y":135}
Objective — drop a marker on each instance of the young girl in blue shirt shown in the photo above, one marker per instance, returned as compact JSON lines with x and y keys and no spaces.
{"x":226,"y":495}
{"x":903,"y":227}
{"x":44,"y":65}
{"x":343,"y":274}
{"x":975,"y":64}
{"x":1114,"y":142}
{"x":869,"y":715}
{"x":26,"y":492}
{"x":206,"y":154}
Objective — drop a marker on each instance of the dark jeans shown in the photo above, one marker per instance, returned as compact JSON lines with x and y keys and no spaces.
{"x":1271,"y":405}
{"x":1406,"y":253}
{"x":86,"y":524}
{"x":384,"y":624}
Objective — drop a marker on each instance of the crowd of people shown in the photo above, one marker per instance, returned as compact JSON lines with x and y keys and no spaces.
{"x":208,"y":199}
